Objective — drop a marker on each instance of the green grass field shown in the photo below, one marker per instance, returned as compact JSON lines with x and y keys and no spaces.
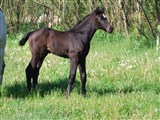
{"x":123,"y":82}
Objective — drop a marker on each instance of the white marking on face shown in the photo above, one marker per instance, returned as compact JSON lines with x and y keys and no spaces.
{"x":104,"y":16}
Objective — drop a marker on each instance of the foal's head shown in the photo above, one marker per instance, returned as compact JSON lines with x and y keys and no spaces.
{"x":101,"y":20}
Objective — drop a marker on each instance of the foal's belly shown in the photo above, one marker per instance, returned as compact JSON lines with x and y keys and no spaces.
{"x":59,"y":52}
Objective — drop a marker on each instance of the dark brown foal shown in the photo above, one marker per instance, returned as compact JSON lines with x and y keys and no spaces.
{"x":73,"y":44}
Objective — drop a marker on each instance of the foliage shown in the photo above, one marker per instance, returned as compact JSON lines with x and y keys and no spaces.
{"x":140,"y":15}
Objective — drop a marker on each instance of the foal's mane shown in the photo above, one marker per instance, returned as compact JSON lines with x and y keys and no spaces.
{"x":80,"y":22}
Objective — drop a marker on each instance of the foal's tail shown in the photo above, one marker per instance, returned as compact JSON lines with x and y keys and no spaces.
{"x":25,"y":38}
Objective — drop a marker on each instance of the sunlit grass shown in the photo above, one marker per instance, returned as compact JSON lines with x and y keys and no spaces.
{"x":123,"y":82}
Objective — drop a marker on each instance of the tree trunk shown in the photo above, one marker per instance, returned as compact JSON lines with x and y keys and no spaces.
{"x":158,"y":38}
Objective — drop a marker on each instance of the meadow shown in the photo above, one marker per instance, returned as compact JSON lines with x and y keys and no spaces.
{"x":123,"y":82}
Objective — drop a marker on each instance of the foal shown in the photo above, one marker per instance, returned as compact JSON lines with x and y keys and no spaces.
{"x":73,"y":44}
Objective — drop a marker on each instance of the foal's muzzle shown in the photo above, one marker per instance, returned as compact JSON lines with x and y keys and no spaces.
{"x":110,"y":29}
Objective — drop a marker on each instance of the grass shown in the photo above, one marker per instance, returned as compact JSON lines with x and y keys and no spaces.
{"x":123,"y":82}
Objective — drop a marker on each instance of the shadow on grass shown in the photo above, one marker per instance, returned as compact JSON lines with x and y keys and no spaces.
{"x":58,"y":86}
{"x":19,"y":90}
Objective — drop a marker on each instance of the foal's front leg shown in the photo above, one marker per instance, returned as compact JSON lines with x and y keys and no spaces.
{"x":73,"y":69}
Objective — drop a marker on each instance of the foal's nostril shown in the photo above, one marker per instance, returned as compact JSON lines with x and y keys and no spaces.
{"x":110,"y":29}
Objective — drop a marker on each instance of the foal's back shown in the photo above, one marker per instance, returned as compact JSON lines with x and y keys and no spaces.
{"x":53,"y":41}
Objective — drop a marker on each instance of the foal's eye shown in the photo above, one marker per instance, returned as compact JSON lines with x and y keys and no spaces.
{"x":102,"y":17}
{"x":99,"y":18}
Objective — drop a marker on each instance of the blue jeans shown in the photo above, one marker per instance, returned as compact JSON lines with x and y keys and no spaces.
{"x":2,"y":43}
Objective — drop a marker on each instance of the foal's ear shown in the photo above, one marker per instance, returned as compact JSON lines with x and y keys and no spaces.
{"x":97,"y":8}
{"x":102,"y":10}
{"x":99,"y":11}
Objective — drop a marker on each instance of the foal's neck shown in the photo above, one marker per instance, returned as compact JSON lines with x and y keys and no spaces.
{"x":86,"y":30}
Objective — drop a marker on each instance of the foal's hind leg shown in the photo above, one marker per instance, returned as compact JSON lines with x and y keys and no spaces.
{"x":31,"y":72}
{"x":37,"y":63}
{"x":35,"y":78}
{"x":29,"y":76}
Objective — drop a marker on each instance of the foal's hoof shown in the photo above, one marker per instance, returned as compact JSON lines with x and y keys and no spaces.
{"x":84,"y":95}
{"x":29,"y":90}
{"x":67,"y":95}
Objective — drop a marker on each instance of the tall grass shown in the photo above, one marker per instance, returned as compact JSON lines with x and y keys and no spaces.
{"x":123,"y":82}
